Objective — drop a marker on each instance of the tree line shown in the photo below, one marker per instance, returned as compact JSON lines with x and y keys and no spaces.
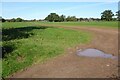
{"x":106,"y":15}
{"x":15,"y":20}
{"x":53,"y":17}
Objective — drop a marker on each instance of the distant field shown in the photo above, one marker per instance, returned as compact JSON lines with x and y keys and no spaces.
{"x":101,"y":24}
{"x":26,"y":43}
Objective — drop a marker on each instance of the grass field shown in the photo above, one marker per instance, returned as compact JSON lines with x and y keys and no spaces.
{"x":27,"y":43}
{"x":101,"y":24}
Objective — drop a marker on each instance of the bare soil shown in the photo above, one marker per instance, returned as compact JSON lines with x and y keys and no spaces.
{"x":71,"y":65}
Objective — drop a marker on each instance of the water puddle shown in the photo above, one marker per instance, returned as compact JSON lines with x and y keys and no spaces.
{"x":94,"y":53}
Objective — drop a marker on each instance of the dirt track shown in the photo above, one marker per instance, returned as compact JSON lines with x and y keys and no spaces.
{"x":72,"y":66}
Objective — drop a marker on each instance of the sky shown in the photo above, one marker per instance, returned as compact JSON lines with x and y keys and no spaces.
{"x":60,"y":0}
{"x":39,"y":10}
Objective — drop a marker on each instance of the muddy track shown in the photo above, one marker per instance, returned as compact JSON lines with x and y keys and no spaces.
{"x":72,"y":66}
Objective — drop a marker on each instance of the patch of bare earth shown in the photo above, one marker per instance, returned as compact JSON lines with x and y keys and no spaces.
{"x":72,"y":66}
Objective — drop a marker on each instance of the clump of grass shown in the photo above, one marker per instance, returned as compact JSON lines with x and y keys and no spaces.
{"x":45,"y":43}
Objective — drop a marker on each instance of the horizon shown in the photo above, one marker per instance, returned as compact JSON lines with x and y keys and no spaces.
{"x":40,"y":10}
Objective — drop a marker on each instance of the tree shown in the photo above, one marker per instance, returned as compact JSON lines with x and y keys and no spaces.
{"x":34,"y":20}
{"x":53,"y":17}
{"x":19,"y":20}
{"x":13,"y":20}
{"x":62,"y":18}
{"x":2,"y":19}
{"x":81,"y":19}
{"x":118,"y":15}
{"x":71,"y":18}
{"x":107,"y":15}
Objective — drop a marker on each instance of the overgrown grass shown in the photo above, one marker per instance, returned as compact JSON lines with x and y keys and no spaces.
{"x":27,"y":43}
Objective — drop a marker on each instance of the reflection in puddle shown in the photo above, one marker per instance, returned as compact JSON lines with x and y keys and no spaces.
{"x":95,"y":53}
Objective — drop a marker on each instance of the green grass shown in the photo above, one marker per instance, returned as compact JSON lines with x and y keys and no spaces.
{"x":100,"y":24}
{"x":27,"y":43}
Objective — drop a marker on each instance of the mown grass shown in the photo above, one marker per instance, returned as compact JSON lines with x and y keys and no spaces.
{"x":99,"y":24}
{"x":27,"y":43}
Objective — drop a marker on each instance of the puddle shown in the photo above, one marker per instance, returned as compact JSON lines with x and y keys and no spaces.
{"x":94,"y":53}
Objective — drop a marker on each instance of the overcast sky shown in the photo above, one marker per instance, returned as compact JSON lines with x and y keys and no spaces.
{"x":39,"y":10}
